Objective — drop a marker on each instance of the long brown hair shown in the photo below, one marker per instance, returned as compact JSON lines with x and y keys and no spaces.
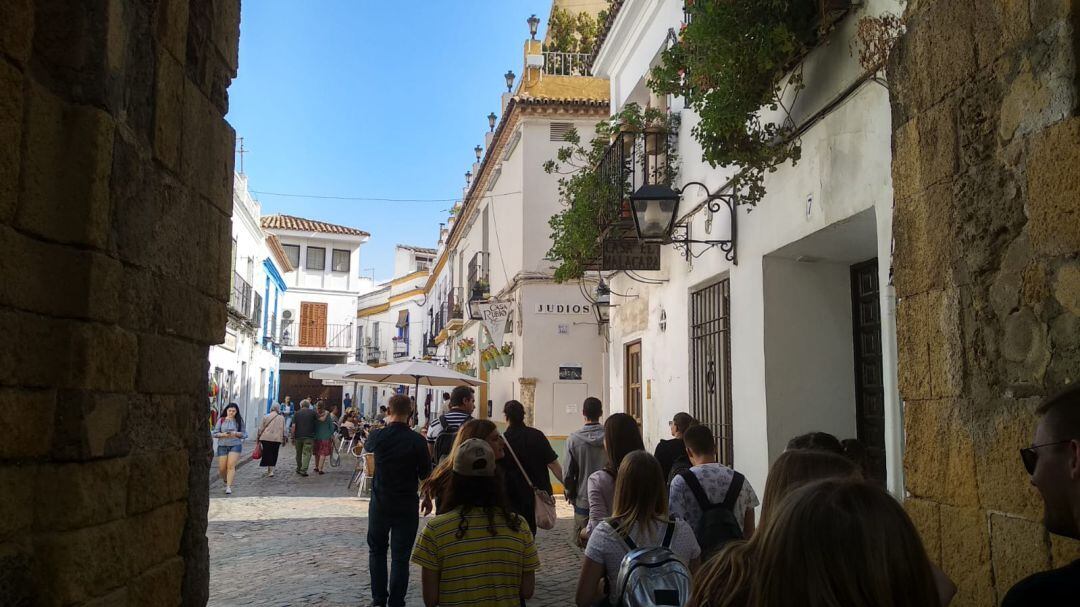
{"x":841,"y":542}
{"x":621,"y":436}
{"x":795,"y":468}
{"x":725,"y":579}
{"x":438,"y":483}
{"x":640,"y":494}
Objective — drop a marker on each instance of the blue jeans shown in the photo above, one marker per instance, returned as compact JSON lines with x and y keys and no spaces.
{"x":393,"y":525}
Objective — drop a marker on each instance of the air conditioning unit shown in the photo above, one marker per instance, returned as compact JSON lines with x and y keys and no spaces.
{"x":288,"y":316}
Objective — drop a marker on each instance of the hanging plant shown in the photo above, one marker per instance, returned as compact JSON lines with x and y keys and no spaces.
{"x":466,"y":346}
{"x":593,"y":200}
{"x":732,"y":61}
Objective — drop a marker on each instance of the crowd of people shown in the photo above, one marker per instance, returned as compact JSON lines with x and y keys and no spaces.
{"x":674,"y":527}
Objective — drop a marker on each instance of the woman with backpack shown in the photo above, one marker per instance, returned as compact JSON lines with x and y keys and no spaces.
{"x":621,"y":436}
{"x":433,"y":490}
{"x":478,"y":552}
{"x":639,"y":550}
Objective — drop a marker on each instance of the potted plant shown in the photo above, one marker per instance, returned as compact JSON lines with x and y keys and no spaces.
{"x":481,"y":289}
{"x":507,"y":354}
{"x":466,"y":346}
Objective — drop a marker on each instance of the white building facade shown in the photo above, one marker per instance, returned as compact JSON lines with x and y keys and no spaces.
{"x":318,"y":311}
{"x":245,"y":368}
{"x":799,"y":334}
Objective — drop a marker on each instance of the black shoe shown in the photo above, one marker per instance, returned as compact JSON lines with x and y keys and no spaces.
{"x":302,"y":473}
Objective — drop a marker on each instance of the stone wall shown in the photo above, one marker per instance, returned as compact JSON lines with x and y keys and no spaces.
{"x":115,"y":196}
{"x":986,"y":147}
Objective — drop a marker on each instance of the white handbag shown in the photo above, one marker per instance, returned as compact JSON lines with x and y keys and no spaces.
{"x":544,"y":502}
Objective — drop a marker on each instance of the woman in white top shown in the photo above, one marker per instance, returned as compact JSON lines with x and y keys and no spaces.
{"x":640,"y":511}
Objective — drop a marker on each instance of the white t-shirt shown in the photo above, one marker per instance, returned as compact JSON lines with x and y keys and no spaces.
{"x":715,"y":480}
{"x":607,"y":548}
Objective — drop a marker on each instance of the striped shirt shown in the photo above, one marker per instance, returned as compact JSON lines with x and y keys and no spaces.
{"x":455,"y":417}
{"x":479,"y":568}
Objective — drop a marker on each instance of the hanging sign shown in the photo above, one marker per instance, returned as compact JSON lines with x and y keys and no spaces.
{"x":630,"y":254}
{"x":495,"y":316}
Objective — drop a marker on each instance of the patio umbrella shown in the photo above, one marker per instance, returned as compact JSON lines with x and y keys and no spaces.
{"x":338,"y":372}
{"x":415,"y":372}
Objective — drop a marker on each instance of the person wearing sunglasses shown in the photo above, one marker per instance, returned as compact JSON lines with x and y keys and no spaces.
{"x":1053,"y":461}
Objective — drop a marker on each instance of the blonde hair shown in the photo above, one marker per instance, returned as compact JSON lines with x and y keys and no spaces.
{"x":640,"y":494}
{"x":841,"y":542}
{"x":724,"y":580}
{"x":798,"y":467}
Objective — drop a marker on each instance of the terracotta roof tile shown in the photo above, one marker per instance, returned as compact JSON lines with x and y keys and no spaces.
{"x":278,"y":252}
{"x":299,"y":224}
{"x":409,"y":247}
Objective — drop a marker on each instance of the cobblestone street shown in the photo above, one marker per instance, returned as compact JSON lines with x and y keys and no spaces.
{"x":290,"y":540}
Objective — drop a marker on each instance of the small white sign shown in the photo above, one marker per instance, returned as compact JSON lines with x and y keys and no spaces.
{"x":571,"y":407}
{"x":564,"y":329}
{"x":562,"y":308}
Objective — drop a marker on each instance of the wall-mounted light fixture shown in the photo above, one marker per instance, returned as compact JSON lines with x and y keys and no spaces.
{"x":656,"y":208}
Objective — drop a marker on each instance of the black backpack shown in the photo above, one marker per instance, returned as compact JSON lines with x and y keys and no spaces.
{"x":718,"y":524}
{"x":445,"y":441}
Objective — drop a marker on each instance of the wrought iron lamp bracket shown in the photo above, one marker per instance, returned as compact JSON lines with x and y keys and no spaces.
{"x":714,"y":203}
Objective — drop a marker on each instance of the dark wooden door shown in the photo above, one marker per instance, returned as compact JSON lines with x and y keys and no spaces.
{"x":312,"y":324}
{"x":710,"y":364}
{"x":869,"y":390}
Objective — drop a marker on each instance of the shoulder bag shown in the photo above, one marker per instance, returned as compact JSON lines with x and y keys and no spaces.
{"x":544,"y":504}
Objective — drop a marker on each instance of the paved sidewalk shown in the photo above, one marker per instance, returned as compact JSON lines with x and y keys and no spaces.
{"x":245,"y":459}
{"x":291,"y":540}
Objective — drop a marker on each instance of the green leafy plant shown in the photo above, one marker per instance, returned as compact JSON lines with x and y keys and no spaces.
{"x":594,"y":200}
{"x":572,"y":32}
{"x":732,"y":60}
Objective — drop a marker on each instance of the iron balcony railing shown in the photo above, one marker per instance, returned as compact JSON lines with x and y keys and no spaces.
{"x":632,"y":160}
{"x":567,"y":64}
{"x":240,"y":296}
{"x":323,"y":336}
{"x":374,"y":355}
{"x":256,"y":309}
{"x":401,"y":347}
{"x":478,"y":275}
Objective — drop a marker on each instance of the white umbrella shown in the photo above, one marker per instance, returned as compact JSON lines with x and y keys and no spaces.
{"x":415,"y":372}
{"x":339,"y":372}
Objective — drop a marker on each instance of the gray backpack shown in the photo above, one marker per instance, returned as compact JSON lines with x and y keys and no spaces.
{"x":652,"y":576}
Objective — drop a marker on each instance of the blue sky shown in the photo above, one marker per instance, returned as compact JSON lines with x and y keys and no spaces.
{"x":371,"y":99}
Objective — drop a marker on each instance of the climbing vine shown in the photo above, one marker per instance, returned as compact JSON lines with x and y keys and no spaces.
{"x":733,"y":64}
{"x":592,"y":199}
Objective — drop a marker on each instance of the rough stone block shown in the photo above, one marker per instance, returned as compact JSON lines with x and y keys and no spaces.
{"x":160,"y":585}
{"x":11,"y":119}
{"x":227,"y":32}
{"x":1025,"y":346}
{"x":913,"y":346}
{"x":1067,"y":287}
{"x":34,"y":362}
{"x":66,"y":165}
{"x":159,"y":422}
{"x":906,"y":176}
{"x":94,"y":426}
{"x":16,"y":29}
{"x":74,"y":566}
{"x":937,"y":144}
{"x":1045,"y":13}
{"x":155,"y":479}
{"x":1000,"y":26}
{"x":17,"y":485}
{"x":1054,"y":189}
{"x":116,"y":598}
{"x":1063,"y":550}
{"x":1000,"y":430}
{"x":923,"y":241}
{"x":939,"y":457}
{"x":207,"y":154}
{"x":170,"y":366}
{"x":927,"y":518}
{"x":965,"y":557}
{"x":100,"y":357}
{"x":168,"y":110}
{"x":70,"y":496}
{"x":1026,"y":98}
{"x":946,"y":360}
{"x":195,"y":316}
{"x":943,"y":59}
{"x":154,"y":537}
{"x":1019,"y":547}
{"x":172,"y":24}
{"x":91,"y":280}
{"x":26,"y":418}
{"x":16,"y":584}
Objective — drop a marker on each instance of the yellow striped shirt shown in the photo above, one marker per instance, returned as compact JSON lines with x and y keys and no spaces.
{"x":479,"y":568}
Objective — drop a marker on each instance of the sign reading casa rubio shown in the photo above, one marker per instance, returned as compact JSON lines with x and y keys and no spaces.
{"x":495,"y":316}
{"x":548,"y":308}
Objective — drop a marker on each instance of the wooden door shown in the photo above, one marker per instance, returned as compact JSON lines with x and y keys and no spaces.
{"x":869,"y":388}
{"x":312,"y":324}
{"x":633,"y":380}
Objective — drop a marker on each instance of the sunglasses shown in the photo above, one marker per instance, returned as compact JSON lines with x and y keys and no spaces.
{"x":1031,"y":457}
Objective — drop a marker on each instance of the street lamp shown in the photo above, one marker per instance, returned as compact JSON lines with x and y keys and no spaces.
{"x":602,"y":306}
{"x":656,"y":208}
{"x":491,"y":121}
{"x":533,"y":22}
{"x":468,"y":177}
{"x":509,"y":75}
{"x":479,"y":150}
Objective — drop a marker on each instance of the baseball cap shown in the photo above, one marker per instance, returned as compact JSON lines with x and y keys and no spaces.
{"x":474,"y":457}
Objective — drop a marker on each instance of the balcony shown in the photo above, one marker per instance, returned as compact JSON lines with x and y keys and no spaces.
{"x":317,"y":336}
{"x":479,"y":287}
{"x":374,"y":356}
{"x":401,"y":348}
{"x":240,"y":296}
{"x":567,"y":64}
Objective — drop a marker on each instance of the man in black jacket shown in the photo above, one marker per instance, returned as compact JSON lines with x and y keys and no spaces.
{"x":671,"y":453}
{"x":401,"y":462}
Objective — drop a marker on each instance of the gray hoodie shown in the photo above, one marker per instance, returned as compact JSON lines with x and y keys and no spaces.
{"x":584,"y":455}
